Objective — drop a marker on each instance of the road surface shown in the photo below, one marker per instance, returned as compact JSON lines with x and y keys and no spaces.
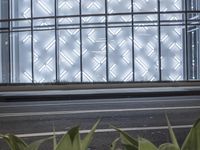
{"x":144,"y":117}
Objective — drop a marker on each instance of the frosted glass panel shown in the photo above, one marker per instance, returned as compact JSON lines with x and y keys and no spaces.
{"x":146,"y":53}
{"x":117,"y":6}
{"x":68,"y":7}
{"x":44,"y":56}
{"x":22,"y":61}
{"x":120,"y":54}
{"x":93,"y":6}
{"x":69,"y":54}
{"x":94,"y":55}
{"x":145,"y":5}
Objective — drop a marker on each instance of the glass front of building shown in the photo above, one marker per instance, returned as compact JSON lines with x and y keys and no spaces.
{"x":81,"y":41}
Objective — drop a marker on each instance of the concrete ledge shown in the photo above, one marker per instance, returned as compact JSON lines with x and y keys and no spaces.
{"x":75,"y":86}
{"x":52,"y":95}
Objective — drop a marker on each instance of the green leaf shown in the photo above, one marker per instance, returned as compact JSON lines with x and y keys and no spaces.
{"x":172,"y":135}
{"x":14,"y":142}
{"x":35,"y":145}
{"x":54,"y":139}
{"x":114,"y":144}
{"x":146,"y":145}
{"x":65,"y":143}
{"x":168,"y":146}
{"x":128,"y":142}
{"x":192,"y":141}
{"x":88,"y":138}
{"x":75,"y":138}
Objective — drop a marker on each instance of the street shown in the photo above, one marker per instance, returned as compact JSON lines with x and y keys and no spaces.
{"x":144,"y":117}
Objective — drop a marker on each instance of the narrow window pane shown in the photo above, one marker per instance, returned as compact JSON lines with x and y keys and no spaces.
{"x":146,"y":53}
{"x":69,"y":54}
{"x":44,"y":56}
{"x":120,"y":54}
{"x":22,"y":62}
{"x":93,"y":6}
{"x":171,"y":5}
{"x":115,"y":6}
{"x":172,"y":52}
{"x":68,"y":7}
{"x":94,"y":55}
{"x":43,"y":8}
{"x":145,"y":5}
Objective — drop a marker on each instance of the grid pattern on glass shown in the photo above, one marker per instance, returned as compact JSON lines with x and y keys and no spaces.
{"x":94,"y":55}
{"x":120,"y":54}
{"x":92,"y":16}
{"x":69,"y":54}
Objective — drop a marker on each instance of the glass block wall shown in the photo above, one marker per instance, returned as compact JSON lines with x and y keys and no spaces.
{"x":45,"y":41}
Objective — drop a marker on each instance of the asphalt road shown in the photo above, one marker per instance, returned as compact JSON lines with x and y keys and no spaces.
{"x":143,"y":117}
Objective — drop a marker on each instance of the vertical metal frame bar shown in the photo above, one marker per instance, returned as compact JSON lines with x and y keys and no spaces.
{"x":186,"y":66}
{"x":106,"y":33}
{"x":9,"y":41}
{"x":159,"y":44}
{"x":81,"y":41}
{"x":56,"y":44}
{"x":133,"y":38}
{"x":32,"y":53}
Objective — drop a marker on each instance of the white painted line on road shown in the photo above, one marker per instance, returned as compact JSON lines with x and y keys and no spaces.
{"x":24,"y":114}
{"x":104,"y":130}
{"x":119,"y":101}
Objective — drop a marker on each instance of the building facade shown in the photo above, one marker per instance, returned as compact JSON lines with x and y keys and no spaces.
{"x":79,"y":41}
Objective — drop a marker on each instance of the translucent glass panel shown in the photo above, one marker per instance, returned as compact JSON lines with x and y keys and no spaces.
{"x":4,"y":59}
{"x":43,"y":8}
{"x":21,"y":8}
{"x":94,"y":55}
{"x":146,"y":53}
{"x":22,"y":61}
{"x":120,"y":54}
{"x":119,"y":6}
{"x":44,"y":56}
{"x":69,"y":54}
{"x":172,"y":52}
{"x":171,"y":5}
{"x":68,"y":7}
{"x":145,"y":5}
{"x":193,"y":5}
{"x":4,"y":9}
{"x":93,"y":6}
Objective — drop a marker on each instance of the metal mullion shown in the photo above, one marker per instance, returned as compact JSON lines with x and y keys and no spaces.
{"x":133,"y":37}
{"x":32,"y":53}
{"x":81,"y":41}
{"x":9,"y":41}
{"x":186,"y":44}
{"x":106,"y":32}
{"x":159,"y":44}
{"x":56,"y":45}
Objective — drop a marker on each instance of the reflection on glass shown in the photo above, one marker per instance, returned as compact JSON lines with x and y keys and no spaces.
{"x":22,"y":62}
